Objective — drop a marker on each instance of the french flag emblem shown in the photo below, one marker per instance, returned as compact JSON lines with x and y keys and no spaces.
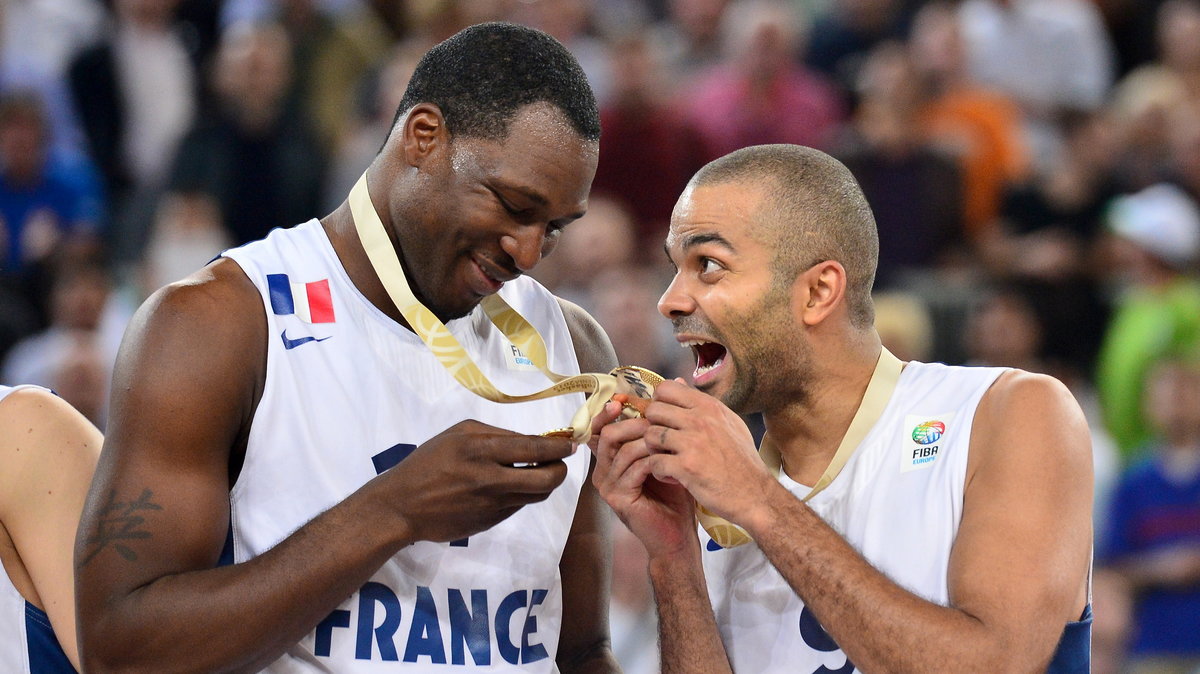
{"x":310,"y":302}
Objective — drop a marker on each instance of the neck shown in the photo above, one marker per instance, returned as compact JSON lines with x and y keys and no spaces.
{"x":339,"y":227}
{"x":809,"y":431}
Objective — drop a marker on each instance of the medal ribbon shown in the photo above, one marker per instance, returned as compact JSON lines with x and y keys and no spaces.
{"x":633,"y":381}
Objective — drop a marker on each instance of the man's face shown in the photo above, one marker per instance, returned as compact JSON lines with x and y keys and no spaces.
{"x":494,"y":208}
{"x":726,"y":305}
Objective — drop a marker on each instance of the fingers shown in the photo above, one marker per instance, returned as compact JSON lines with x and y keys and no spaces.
{"x":525,"y":449}
{"x":535,"y":482}
{"x":612,"y":410}
{"x":678,"y":394}
{"x":613,"y":436}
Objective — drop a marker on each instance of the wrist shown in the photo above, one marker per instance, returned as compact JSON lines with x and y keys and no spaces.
{"x":671,"y":566}
{"x":760,"y":518}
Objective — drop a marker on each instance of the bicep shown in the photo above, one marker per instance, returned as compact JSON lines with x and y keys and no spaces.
{"x":1020,"y":560}
{"x":183,"y":392}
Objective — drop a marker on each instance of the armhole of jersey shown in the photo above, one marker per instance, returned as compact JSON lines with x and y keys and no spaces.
{"x":46,"y":655}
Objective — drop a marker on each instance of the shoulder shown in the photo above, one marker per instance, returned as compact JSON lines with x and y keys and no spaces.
{"x":34,"y":407}
{"x":217,"y":299}
{"x":592,"y":346}
{"x":1030,"y":417}
{"x":207,"y":327}
{"x":40,"y":433}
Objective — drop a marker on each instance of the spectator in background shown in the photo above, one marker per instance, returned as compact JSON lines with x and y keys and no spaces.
{"x":1144,"y":99}
{"x":690,"y":38}
{"x":379,"y":97}
{"x":187,"y":233}
{"x":1050,"y":55}
{"x":650,"y":149}
{"x":1005,"y":329}
{"x":256,"y":154}
{"x":37,"y":42}
{"x":846,"y":32}
{"x":1157,"y":239}
{"x":136,"y":95}
{"x":77,"y":350}
{"x":904,"y":325}
{"x":914,"y":188}
{"x":569,"y":22}
{"x":623,"y":299}
{"x":1045,"y":237}
{"x":761,"y":94}
{"x":332,"y":52}
{"x":39,"y":204}
{"x":1154,"y":540}
{"x":602,"y":239}
{"x":979,"y":126}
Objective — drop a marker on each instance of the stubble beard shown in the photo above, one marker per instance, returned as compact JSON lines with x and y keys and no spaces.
{"x":773,"y":361}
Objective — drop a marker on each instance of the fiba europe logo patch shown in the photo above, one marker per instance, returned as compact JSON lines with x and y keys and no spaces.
{"x":928,"y":432}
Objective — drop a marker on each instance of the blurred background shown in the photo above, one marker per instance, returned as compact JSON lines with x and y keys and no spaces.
{"x":1034,"y":167}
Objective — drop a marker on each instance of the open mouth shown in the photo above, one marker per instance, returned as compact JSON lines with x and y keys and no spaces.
{"x":709,"y":356}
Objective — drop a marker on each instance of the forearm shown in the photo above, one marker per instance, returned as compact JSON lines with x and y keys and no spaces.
{"x":877,"y":624}
{"x":688,"y":635}
{"x":183,"y":622}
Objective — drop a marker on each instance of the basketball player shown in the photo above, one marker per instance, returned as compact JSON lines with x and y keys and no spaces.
{"x":294,"y":481}
{"x":956,"y":535}
{"x":47,"y":454}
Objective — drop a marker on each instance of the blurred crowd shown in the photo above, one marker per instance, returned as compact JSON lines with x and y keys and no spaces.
{"x":1033,"y":165}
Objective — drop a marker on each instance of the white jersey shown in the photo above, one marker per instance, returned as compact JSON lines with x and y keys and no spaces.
{"x":350,"y":393}
{"x":28,"y":644}
{"x":898,"y":501}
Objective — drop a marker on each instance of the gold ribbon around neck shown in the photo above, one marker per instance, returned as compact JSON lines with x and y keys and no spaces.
{"x":879,"y":391}
{"x":632,"y":381}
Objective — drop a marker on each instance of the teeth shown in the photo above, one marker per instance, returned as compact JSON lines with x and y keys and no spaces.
{"x":693,"y":342}
{"x":708,"y":368}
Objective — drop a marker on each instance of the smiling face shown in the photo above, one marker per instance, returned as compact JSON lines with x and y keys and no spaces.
{"x":728,"y":304}
{"x":488,"y":210}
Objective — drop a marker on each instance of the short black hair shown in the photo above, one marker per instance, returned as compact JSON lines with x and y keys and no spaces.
{"x":483,"y":74}
{"x":814,"y":210}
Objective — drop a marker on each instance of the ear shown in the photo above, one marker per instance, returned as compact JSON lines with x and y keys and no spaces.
{"x":819,"y":291}
{"x":422,"y":133}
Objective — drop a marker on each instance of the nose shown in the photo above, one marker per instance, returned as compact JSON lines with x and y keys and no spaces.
{"x":525,"y":246}
{"x":675,"y":302}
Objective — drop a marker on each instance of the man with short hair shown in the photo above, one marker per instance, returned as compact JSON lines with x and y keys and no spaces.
{"x":900,"y":517}
{"x":294,"y":480}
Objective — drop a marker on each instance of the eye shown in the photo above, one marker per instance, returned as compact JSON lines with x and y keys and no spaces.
{"x":709,"y":266}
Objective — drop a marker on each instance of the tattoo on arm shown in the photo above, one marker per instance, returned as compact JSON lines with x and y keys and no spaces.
{"x":120,"y":521}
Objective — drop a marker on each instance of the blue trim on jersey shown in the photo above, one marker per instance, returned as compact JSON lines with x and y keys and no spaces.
{"x":1074,"y":652}
{"x":46,"y":656}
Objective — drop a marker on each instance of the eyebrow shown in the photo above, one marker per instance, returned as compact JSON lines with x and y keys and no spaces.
{"x":699,"y":239}
{"x":533,"y":195}
{"x":527,"y":192}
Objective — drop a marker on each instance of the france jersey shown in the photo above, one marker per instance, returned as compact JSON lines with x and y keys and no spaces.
{"x":349,"y":394}
{"x":28,"y":645}
{"x":898,"y":501}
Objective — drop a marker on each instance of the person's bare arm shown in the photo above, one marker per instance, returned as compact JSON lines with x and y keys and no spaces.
{"x":584,"y":644}
{"x":156,"y":518}
{"x":1019,"y":563}
{"x":47,"y":454}
{"x":661,"y":516}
